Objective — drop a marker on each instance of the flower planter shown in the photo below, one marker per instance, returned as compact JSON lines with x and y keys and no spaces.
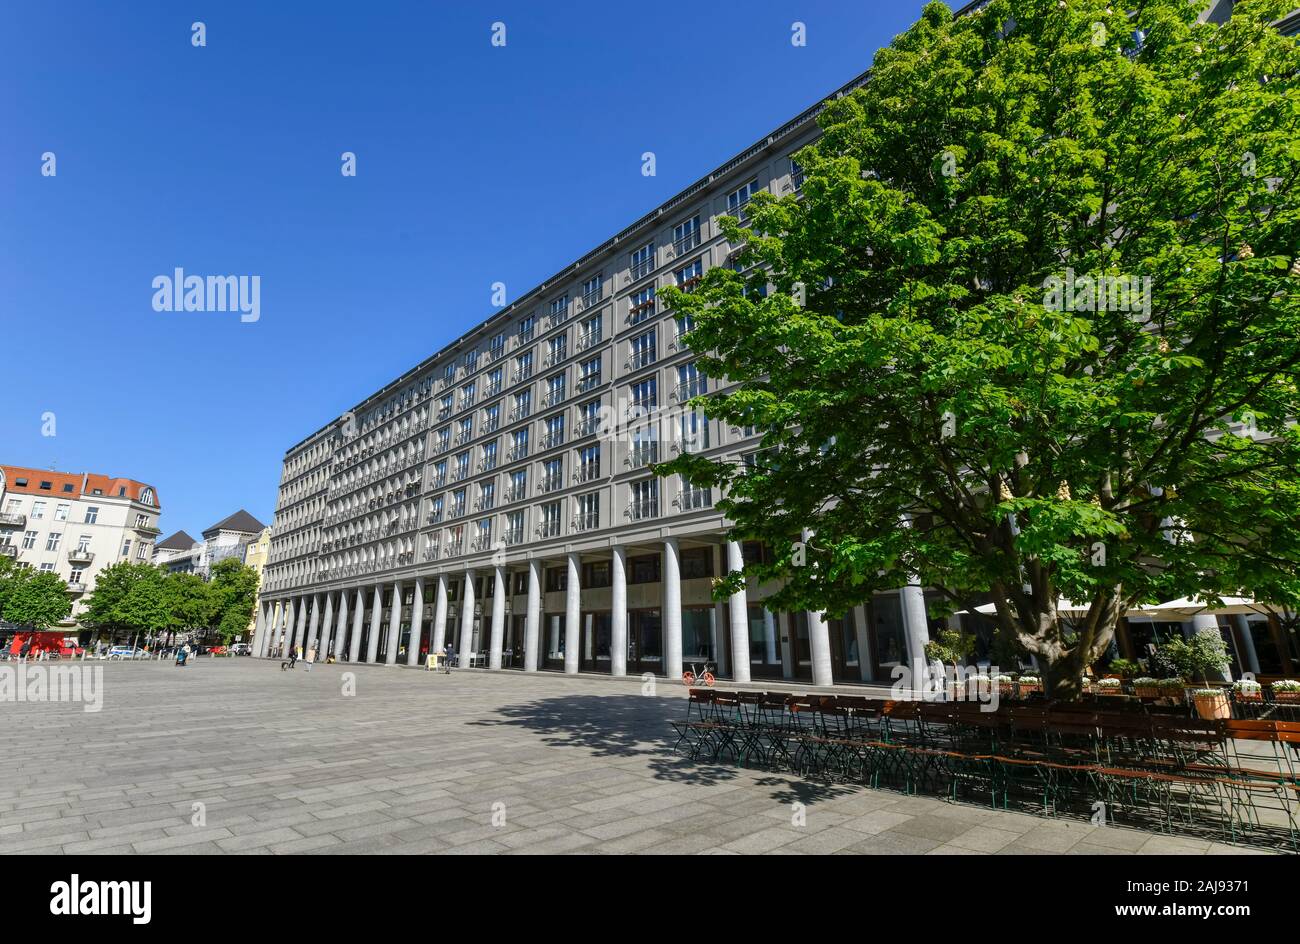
{"x":1029,"y":688}
{"x":1287,"y":698}
{"x":1146,"y":689}
{"x":1212,"y":707}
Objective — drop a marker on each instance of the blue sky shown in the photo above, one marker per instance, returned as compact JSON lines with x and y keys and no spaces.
{"x":475,"y":164}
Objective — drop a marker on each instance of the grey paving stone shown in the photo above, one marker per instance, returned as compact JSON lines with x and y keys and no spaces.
{"x":413,"y":763}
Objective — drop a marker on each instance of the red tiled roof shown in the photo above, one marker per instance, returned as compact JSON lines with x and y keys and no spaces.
{"x":83,"y":484}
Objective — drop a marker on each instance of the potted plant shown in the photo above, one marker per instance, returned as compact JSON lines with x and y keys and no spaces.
{"x":1006,"y":685}
{"x":1248,"y":690}
{"x":1286,"y":691}
{"x":1109,"y":686}
{"x":1124,"y":668}
{"x":1172,"y":688}
{"x":1211,"y":703}
{"x":952,"y":647}
{"x":1146,"y":687}
{"x":1195,"y":658}
{"x":1029,"y":684}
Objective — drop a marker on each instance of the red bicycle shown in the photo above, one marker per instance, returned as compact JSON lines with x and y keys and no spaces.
{"x":694,"y":674}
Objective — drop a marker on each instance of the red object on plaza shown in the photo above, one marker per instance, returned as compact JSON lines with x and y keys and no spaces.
{"x":65,"y":646}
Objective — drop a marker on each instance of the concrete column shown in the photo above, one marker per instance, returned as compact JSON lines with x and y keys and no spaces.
{"x":354,"y":647}
{"x":259,"y":644}
{"x":533,"y":619}
{"x":572,"y":617}
{"x":917,"y":630}
{"x":1205,"y":623}
{"x":376,"y":617}
{"x":1248,"y":653}
{"x":327,"y":627}
{"x":283,"y":628}
{"x":819,"y":648}
{"x":300,"y":633}
{"x":314,"y":626}
{"x":498,"y":617}
{"x":739,"y":618}
{"x":394,"y":625}
{"x":672,"y":610}
{"x":439,"y":640}
{"x":341,"y":630}
{"x":785,"y":625}
{"x":467,"y":620}
{"x":618,"y":612}
{"x":417,"y":623}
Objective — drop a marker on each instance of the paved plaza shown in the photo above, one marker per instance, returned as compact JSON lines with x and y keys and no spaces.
{"x":235,"y":756}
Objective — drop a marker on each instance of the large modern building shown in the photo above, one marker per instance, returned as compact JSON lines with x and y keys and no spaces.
{"x":75,"y":524}
{"x":496,"y":499}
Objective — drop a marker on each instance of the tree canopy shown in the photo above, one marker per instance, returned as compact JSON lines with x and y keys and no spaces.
{"x":1033,"y":330}
{"x":133,"y":598}
{"x":32,"y":597}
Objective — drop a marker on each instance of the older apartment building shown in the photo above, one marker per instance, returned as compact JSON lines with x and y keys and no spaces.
{"x":75,"y":524}
{"x":496,"y":499}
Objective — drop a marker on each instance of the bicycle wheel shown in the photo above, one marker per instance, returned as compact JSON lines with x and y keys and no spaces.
{"x":707,"y":678}
{"x":688,"y":679}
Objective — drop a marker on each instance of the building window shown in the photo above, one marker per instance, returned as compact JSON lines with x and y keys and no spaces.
{"x":645,"y":397}
{"x":126,"y":548}
{"x":641,"y":305}
{"x":52,"y":541}
{"x":560,"y":308}
{"x":643,"y":261}
{"x":588,"y":512}
{"x":61,"y":511}
{"x":514,"y":527}
{"x":38,"y":509}
{"x":29,"y":540}
{"x":552,"y":475}
{"x":557,"y":579}
{"x":688,"y":276}
{"x":739,"y":198}
{"x":642,"y":349}
{"x":92,"y":514}
{"x":693,"y":431}
{"x":526,"y":329}
{"x":591,"y":290}
{"x":697,"y":562}
{"x":645,"y":499}
{"x":686,"y":235}
{"x":550,"y":525}
{"x":596,"y":574}
{"x":695,"y":496}
{"x":643,"y":569}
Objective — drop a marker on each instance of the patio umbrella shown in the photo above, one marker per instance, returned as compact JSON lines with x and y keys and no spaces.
{"x":1185,"y":607}
{"x":1063,"y":608}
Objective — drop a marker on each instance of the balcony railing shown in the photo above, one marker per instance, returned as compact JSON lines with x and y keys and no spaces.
{"x":517,"y":453}
{"x":522,"y":373}
{"x":641,"y":358}
{"x":452,"y":549}
{"x":687,"y":241}
{"x":551,"y":440}
{"x":556,"y":356}
{"x":693,"y":498}
{"x":431,"y":552}
{"x":593,"y":297}
{"x":587,"y":382}
{"x":496,"y":353}
{"x":641,"y":510}
{"x":433,"y":517}
{"x":8,"y":550}
{"x":490,"y":424}
{"x":549,"y":529}
{"x":524,"y":336}
{"x":76,"y":587}
{"x":464,"y":436}
{"x":551,"y":483}
{"x":514,"y":536}
{"x":516,"y":494}
{"x":13,"y":521}
{"x":643,"y":454}
{"x":79,"y":555}
{"x":521,"y":413}
{"x":553,"y":398}
{"x":588,"y":339}
{"x":482,"y":544}
{"x":643,"y":267}
{"x":588,"y":521}
{"x":587,"y":472}
{"x":492,"y":389}
{"x":691,"y":388}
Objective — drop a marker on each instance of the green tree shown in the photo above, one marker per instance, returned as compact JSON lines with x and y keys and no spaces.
{"x":35,"y":598}
{"x":189,"y":601}
{"x":942,"y":391}
{"x":234,"y":593}
{"x":129,"y":598}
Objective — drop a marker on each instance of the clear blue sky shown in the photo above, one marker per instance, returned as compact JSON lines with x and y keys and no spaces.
{"x":475,"y":165}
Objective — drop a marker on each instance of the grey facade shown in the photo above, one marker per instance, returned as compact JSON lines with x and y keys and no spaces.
{"x":499,"y":491}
